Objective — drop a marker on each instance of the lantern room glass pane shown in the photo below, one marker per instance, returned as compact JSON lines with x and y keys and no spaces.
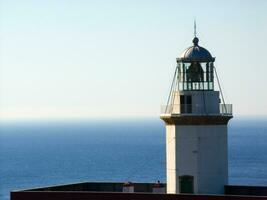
{"x":195,"y":76}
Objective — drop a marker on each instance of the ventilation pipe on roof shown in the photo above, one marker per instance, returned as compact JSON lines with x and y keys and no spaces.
{"x":159,"y":188}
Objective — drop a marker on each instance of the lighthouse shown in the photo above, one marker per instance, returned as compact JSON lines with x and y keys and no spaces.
{"x":196,"y":118}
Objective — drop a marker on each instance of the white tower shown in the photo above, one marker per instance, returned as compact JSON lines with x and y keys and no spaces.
{"x":196,"y":126}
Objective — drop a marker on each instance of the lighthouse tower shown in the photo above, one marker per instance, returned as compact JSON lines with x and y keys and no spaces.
{"x":196,"y":118}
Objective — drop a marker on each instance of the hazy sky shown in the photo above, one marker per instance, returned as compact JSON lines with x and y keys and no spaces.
{"x":64,"y":59}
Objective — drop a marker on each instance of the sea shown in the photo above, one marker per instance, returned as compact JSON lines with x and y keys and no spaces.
{"x":43,"y":153}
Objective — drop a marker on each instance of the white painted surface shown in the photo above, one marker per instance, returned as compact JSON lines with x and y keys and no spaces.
{"x":171,"y":159}
{"x":199,"y":151}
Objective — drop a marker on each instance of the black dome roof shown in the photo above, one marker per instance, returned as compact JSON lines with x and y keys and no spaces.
{"x":196,"y":53}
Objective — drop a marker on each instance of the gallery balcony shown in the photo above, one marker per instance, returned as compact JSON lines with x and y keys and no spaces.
{"x":197,"y":109}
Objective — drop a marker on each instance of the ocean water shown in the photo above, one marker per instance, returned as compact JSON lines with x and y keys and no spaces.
{"x":34,"y":154}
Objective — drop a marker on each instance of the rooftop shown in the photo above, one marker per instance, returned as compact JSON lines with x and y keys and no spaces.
{"x":142,"y":191}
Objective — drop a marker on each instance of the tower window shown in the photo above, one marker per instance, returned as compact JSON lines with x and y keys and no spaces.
{"x":185,"y":103}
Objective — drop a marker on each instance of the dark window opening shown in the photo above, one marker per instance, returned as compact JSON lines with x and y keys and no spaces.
{"x":186,"y":184}
{"x":185,"y":103}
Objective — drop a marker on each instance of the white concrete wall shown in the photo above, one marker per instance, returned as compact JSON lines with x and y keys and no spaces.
{"x":199,"y":151}
{"x":187,"y":157}
{"x":171,"y":165}
{"x":212,"y":159}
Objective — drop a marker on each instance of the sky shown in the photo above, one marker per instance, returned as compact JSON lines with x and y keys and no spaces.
{"x":101,"y":59}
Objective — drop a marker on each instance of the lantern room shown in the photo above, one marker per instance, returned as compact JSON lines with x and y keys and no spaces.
{"x":195,"y":69}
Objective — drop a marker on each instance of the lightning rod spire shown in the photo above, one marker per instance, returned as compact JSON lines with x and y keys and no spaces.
{"x":195,"y":28}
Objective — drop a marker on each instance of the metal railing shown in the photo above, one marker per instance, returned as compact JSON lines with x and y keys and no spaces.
{"x":197,"y":109}
{"x":226,"y":109}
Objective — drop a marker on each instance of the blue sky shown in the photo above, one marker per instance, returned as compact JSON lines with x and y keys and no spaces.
{"x":76,"y":59}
